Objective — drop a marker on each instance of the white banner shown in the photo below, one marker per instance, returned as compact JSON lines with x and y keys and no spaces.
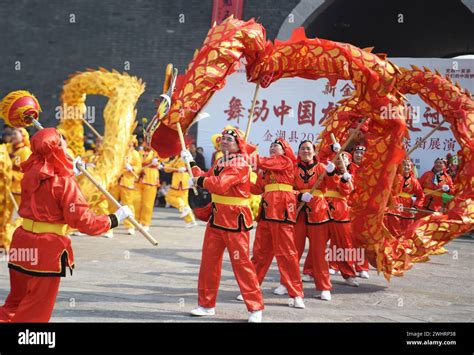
{"x":294,"y":109}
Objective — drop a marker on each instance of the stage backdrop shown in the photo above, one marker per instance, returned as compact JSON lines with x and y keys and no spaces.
{"x":295,"y":108}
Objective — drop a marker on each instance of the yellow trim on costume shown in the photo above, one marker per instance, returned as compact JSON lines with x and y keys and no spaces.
{"x":44,"y":227}
{"x":433,"y":192}
{"x":228,"y":200}
{"x":316,"y":193}
{"x":405,"y":195}
{"x":334,"y":194}
{"x":278,"y":187}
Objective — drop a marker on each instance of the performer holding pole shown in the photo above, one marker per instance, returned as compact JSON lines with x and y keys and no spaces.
{"x":51,"y":201}
{"x":407,"y":197}
{"x":276,"y":220}
{"x":435,"y":184}
{"x":20,"y":108}
{"x":312,"y":221}
{"x":229,"y":223}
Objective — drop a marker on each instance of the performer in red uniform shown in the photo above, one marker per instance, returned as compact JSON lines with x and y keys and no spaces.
{"x":312,"y":221}
{"x":434,"y":183}
{"x":231,"y":219}
{"x":50,"y":202}
{"x":362,"y":268}
{"x":337,"y":194}
{"x":276,"y":219}
{"x":406,"y":193}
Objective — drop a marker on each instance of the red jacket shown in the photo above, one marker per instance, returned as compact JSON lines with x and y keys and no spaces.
{"x":315,"y":211}
{"x":278,"y":205}
{"x":57,"y":200}
{"x":50,"y":202}
{"x":337,"y":195}
{"x":228,"y":179}
{"x":434,"y":201}
{"x":403,"y":190}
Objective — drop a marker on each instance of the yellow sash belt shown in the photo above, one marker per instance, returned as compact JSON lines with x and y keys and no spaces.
{"x":278,"y":187}
{"x":229,"y":200}
{"x":44,"y":227}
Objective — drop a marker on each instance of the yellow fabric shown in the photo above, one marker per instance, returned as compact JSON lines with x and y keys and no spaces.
{"x":278,"y":187}
{"x":18,"y":156}
{"x":189,"y":217}
{"x":44,"y":227}
{"x":433,"y":192}
{"x":334,"y":194}
{"x":114,"y":190}
{"x":179,"y":181}
{"x":126,"y":197}
{"x":102,"y":207}
{"x":179,"y":199}
{"x":317,"y":193}
{"x":128,"y":179}
{"x":89,"y":156}
{"x":226,"y":200}
{"x":152,"y":174}
{"x":144,"y":203}
{"x":405,"y":194}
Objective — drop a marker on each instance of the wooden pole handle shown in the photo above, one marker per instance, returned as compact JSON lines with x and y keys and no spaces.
{"x":344,"y":168}
{"x":107,"y":194}
{"x":430,"y":133}
{"x":252,"y":110}
{"x":92,"y":128}
{"x":15,"y":205}
{"x":183,"y":146}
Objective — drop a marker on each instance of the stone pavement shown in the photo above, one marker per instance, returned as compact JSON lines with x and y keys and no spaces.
{"x":125,"y":279}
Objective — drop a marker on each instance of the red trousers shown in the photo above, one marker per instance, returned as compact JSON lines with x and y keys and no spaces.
{"x":31,"y":299}
{"x":341,"y":245}
{"x":300,"y":241}
{"x":318,"y":235}
{"x":277,"y":239}
{"x":237,"y":244}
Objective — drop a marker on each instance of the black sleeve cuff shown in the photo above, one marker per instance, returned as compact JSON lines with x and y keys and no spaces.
{"x":299,"y":197}
{"x":113,"y":221}
{"x":344,"y":181}
{"x":200,"y":182}
{"x":192,"y":164}
{"x":331,"y":174}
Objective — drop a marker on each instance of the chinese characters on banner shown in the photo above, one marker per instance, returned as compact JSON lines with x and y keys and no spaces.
{"x":295,"y":109}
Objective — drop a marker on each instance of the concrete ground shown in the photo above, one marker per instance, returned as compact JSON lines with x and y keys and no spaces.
{"x":125,"y":279}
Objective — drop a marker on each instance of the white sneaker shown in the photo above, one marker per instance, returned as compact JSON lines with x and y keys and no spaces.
{"x":307,"y":278}
{"x":296,"y":302}
{"x":255,"y":317}
{"x":325,"y":295}
{"x":109,"y":234}
{"x":351,"y":281}
{"x":332,"y":272}
{"x":364,"y":275}
{"x":186,"y":210}
{"x":280,"y":290}
{"x":146,"y":228}
{"x":201,"y":311}
{"x":191,"y":224}
{"x":131,"y":231}
{"x":240,"y":298}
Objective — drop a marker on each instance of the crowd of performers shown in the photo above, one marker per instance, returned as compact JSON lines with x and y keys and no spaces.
{"x":284,"y":181}
{"x":243,"y":186}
